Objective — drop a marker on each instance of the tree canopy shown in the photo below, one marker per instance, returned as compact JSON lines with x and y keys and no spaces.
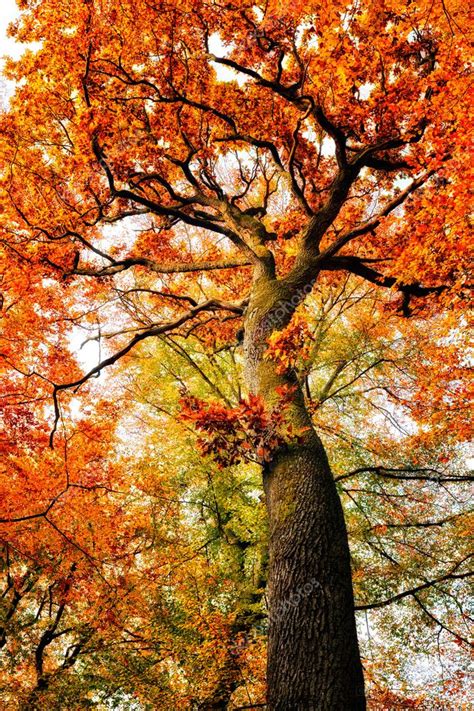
{"x":188,"y":189}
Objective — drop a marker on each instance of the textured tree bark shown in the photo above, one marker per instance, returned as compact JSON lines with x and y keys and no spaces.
{"x":313,"y":653}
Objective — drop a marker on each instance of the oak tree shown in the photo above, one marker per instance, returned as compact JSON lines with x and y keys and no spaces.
{"x":224,"y":162}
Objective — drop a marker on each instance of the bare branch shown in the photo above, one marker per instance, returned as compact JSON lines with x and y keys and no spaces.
{"x":357,"y":266}
{"x":413,"y":474}
{"x":162,"y":268}
{"x":440,"y":624}
{"x":154,"y":330}
{"x":412,"y":592}
{"x":372,"y":225}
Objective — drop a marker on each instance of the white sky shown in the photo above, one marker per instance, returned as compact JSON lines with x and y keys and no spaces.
{"x":8,"y":12}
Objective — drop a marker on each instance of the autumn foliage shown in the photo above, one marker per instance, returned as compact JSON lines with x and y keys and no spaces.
{"x":212,"y":217}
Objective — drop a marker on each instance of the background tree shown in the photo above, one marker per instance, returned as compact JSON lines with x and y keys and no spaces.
{"x":195,"y":170}
{"x":181,"y":619}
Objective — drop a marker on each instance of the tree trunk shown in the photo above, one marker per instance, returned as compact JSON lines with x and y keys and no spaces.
{"x":313,"y":653}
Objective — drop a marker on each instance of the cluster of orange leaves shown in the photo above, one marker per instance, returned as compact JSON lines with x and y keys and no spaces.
{"x":248,"y":432}
{"x":291,"y":345}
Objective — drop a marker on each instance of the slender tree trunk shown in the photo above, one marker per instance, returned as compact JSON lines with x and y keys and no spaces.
{"x":313,"y":654}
